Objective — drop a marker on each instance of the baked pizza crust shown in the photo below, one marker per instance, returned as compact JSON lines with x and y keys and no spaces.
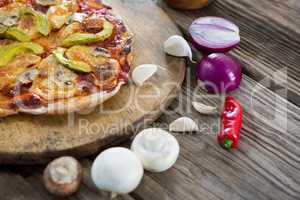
{"x":72,"y":104}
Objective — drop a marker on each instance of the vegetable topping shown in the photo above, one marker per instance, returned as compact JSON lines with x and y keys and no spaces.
{"x":41,"y":20}
{"x":8,"y":52}
{"x":72,"y":64}
{"x":85,"y":38}
{"x":17,"y":34}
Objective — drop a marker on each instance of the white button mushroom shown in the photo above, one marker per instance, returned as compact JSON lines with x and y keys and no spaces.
{"x":177,"y":46}
{"x":142,"y":73}
{"x":117,"y":170}
{"x":157,"y":149}
{"x":62,"y":177}
{"x":183,"y":124}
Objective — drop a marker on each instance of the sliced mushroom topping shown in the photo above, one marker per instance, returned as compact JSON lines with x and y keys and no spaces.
{"x":77,"y":17}
{"x":107,"y":74}
{"x":28,"y":76}
{"x":60,"y":84}
{"x":107,"y":71}
{"x":9,"y":18}
{"x":99,"y":51}
{"x":54,"y":81}
{"x":63,"y":77}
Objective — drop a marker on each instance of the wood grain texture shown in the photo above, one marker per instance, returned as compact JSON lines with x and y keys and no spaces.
{"x":34,"y":139}
{"x":268,"y":157}
{"x":270,"y":38}
{"x":266,"y":165}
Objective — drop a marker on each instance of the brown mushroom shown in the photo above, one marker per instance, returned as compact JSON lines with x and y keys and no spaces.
{"x":62,"y":177}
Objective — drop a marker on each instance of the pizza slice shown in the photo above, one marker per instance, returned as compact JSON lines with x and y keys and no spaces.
{"x":60,"y":56}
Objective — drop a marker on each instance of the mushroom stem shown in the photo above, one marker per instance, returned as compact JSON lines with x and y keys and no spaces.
{"x":113,"y":195}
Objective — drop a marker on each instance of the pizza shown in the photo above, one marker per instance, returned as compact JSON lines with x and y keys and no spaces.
{"x":60,"y":56}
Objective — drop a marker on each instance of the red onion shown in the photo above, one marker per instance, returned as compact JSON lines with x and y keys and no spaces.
{"x":214,"y":34}
{"x":220,"y":73}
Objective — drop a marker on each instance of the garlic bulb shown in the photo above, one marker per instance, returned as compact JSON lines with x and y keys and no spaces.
{"x":157,"y":149}
{"x":177,"y":46}
{"x":117,"y":170}
{"x":204,"y":109}
{"x":142,"y":73}
{"x":183,"y":124}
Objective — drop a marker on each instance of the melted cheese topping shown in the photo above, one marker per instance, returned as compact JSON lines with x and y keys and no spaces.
{"x":15,"y":67}
{"x":44,"y":75}
{"x":55,"y":81}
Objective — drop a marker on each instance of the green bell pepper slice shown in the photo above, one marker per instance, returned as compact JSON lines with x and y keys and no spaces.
{"x":42,"y":23}
{"x":8,"y":52}
{"x":71,"y":64}
{"x":84,"y":38}
{"x":17,"y":34}
{"x":3,"y":29}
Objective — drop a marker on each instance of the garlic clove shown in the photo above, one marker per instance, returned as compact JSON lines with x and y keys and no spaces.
{"x":177,"y":46}
{"x":117,"y":170}
{"x":204,"y":109}
{"x":183,"y":124}
{"x":143,"y":72}
{"x":157,"y":149}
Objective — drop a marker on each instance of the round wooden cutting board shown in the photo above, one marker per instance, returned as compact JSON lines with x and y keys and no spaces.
{"x":27,"y":139}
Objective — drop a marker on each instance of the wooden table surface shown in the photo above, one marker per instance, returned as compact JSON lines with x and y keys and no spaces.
{"x":267,"y":163}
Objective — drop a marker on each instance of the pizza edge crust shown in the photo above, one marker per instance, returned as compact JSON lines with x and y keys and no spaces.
{"x":74,"y":104}
{"x":67,"y":106}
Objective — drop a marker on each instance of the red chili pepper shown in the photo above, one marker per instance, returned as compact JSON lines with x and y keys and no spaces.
{"x":231,"y":117}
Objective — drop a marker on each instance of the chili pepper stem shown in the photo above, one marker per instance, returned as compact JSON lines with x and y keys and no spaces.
{"x":226,"y":143}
